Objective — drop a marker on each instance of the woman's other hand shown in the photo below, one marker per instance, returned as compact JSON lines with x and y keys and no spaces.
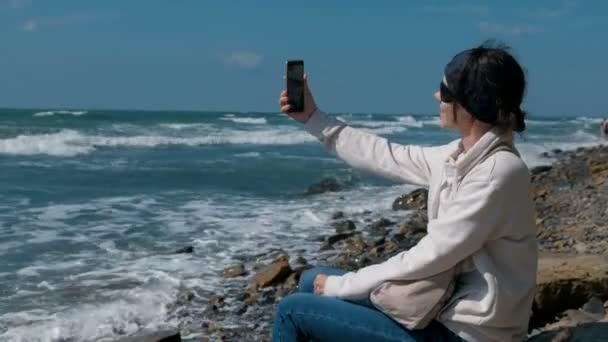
{"x":309,"y":104}
{"x":319,"y":283}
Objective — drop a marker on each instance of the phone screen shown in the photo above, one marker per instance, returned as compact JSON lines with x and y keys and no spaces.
{"x":295,"y":85}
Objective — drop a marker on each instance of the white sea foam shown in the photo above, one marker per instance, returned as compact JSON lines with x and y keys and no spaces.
{"x":186,"y":126}
{"x":246,"y":120}
{"x":61,"y":112}
{"x":385,"y":130}
{"x":64,"y":143}
{"x":433,"y":121}
{"x":143,"y":310}
{"x":35,"y":270}
{"x":70,"y":143}
{"x":589,"y":120}
{"x":410,"y":121}
{"x":248,"y":155}
{"x":45,"y":285}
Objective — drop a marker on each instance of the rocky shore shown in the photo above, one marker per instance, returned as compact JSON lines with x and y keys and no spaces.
{"x":571,"y":197}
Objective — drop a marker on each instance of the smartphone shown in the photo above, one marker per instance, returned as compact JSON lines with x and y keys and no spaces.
{"x":295,"y":85}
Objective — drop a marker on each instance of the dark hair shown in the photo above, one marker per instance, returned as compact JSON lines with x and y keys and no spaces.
{"x":490,"y":84}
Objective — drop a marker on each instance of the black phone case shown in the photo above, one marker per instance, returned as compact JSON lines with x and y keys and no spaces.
{"x":295,"y":85}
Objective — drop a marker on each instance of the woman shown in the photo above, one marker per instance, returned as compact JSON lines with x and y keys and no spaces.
{"x":481,"y":217}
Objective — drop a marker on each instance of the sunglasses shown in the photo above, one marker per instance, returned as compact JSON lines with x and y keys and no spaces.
{"x":445,"y":93}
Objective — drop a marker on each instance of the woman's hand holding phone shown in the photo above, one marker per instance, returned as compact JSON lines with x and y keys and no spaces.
{"x":309,"y":104}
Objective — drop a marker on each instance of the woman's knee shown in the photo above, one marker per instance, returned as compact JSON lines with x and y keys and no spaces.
{"x":307,"y":279}
{"x":292,"y":303}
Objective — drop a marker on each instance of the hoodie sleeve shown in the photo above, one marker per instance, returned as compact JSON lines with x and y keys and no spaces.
{"x":408,"y":164}
{"x":472,"y":218}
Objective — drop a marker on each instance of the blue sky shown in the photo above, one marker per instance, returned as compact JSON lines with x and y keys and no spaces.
{"x":362,"y":56}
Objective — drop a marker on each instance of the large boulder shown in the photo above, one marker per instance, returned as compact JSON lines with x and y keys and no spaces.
{"x":567,"y":282}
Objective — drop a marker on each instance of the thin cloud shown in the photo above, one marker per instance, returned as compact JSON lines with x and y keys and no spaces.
{"x":566,"y":8}
{"x":34,"y":25}
{"x":457,"y":9}
{"x":30,"y":25}
{"x":244,"y":59}
{"x":513,"y":30}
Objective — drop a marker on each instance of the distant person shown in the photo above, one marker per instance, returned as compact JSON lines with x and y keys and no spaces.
{"x":481,"y":217}
{"x":604,"y":128}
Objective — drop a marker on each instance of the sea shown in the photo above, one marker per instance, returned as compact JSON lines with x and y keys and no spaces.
{"x":94,"y":204}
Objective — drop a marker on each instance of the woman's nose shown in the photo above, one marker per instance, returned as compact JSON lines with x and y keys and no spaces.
{"x":437,"y":96}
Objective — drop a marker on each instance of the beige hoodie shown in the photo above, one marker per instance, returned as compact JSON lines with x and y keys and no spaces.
{"x":481,"y":217}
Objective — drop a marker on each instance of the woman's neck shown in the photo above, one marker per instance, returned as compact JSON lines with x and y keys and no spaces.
{"x":474,"y":133}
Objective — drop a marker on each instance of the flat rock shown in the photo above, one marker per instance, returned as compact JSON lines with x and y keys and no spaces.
{"x":272,"y":274}
{"x":162,"y":336}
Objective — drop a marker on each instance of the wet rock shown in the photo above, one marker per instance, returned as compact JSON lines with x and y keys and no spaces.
{"x":381,"y":223}
{"x":300,"y":260}
{"x":185,"y":250}
{"x":344,"y":226}
{"x":377,"y":241}
{"x":325,"y":185}
{"x":272,"y":274}
{"x":416,"y":199}
{"x":540,"y":193}
{"x":234,"y":271}
{"x":590,"y":332}
{"x":415,"y":223}
{"x":337,"y":237}
{"x":249,"y":297}
{"x":595,"y":307}
{"x":355,"y":244}
{"x":540,"y":169}
{"x":216,"y":302}
{"x":162,"y":336}
{"x":185,"y":296}
{"x":241,"y":309}
{"x":337,"y":215}
{"x":379,"y":227}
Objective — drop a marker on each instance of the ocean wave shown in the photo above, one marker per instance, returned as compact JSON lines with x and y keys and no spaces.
{"x":248,"y":155}
{"x":69,"y":143}
{"x":246,"y":120}
{"x":385,"y":130}
{"x":410,"y":121}
{"x":64,"y":143}
{"x":184,"y":126}
{"x":434,"y":120}
{"x":61,"y":112}
{"x":589,"y":119}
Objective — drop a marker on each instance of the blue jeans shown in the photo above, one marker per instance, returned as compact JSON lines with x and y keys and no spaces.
{"x":305,"y":316}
